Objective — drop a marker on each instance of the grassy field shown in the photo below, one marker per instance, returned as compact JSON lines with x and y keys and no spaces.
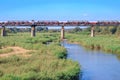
{"x":46,"y":62}
{"x":108,"y":43}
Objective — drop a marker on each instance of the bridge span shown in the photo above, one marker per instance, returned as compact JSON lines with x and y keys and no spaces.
{"x":34,"y":24}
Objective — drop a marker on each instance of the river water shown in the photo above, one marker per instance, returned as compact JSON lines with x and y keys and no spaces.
{"x":95,"y":65}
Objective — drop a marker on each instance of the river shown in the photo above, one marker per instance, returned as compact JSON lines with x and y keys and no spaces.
{"x":95,"y":65}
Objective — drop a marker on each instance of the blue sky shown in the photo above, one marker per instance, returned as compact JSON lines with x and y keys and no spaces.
{"x":61,"y":10}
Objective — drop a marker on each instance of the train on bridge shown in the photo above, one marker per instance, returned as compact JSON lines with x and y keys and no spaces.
{"x":60,"y":23}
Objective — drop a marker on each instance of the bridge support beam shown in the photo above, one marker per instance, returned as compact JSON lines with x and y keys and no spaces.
{"x":3,"y":32}
{"x":92,"y":31}
{"x":62,"y":33}
{"x":32,"y":31}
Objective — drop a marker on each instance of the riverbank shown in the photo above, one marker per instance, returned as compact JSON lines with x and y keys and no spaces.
{"x":107,"y":43}
{"x":45,"y":62}
{"x":94,"y":63}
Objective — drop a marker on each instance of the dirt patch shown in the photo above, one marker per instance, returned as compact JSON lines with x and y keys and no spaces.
{"x":16,"y":51}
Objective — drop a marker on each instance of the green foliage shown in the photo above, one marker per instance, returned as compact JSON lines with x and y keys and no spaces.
{"x":46,"y":62}
{"x":0,"y":30}
{"x":1,"y":73}
{"x":87,"y":29}
{"x":77,"y":29}
{"x":42,"y":29}
{"x":1,"y":45}
{"x":113,"y":30}
{"x":105,"y":30}
{"x":40,"y":66}
{"x":10,"y":77}
{"x":98,"y":29}
{"x":53,"y":30}
{"x":5,"y":50}
{"x":58,"y":51}
{"x":109,"y":43}
{"x":118,"y":31}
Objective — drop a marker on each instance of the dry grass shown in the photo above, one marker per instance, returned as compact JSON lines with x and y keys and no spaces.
{"x":14,"y":51}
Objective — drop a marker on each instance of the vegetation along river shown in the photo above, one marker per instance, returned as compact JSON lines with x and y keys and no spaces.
{"x":95,"y":65}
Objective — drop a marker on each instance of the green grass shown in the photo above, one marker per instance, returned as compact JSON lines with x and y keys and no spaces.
{"x":47,"y":62}
{"x":8,"y":50}
{"x":108,"y":43}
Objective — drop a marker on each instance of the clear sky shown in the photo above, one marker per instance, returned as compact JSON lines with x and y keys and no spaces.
{"x":61,"y":10}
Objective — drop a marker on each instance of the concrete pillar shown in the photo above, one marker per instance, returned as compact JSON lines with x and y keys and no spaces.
{"x":62,"y":33}
{"x":3,"y":33}
{"x":92,"y":31}
{"x":32,"y":31}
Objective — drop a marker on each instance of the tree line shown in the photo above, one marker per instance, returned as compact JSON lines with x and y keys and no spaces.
{"x":98,"y":30}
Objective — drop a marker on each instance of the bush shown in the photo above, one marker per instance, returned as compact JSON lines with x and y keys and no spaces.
{"x":113,"y":30}
{"x":118,"y":32}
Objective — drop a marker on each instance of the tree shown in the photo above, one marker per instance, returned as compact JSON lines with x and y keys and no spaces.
{"x":77,"y":29}
{"x":106,"y":30}
{"x":27,"y":29}
{"x":98,"y":29}
{"x":12,"y":30}
{"x":39,"y":29}
{"x":42,"y":29}
{"x":88,"y":29}
{"x":45,"y":29}
{"x":113,"y":30}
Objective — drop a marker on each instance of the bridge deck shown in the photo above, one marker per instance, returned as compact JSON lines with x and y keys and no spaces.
{"x":57,"y":23}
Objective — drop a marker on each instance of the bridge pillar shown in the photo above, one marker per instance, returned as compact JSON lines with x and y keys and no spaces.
{"x":62,"y":33}
{"x":92,"y":31}
{"x":3,"y":32}
{"x":32,"y":31}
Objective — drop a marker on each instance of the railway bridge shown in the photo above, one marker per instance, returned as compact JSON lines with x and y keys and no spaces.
{"x":61,"y":24}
